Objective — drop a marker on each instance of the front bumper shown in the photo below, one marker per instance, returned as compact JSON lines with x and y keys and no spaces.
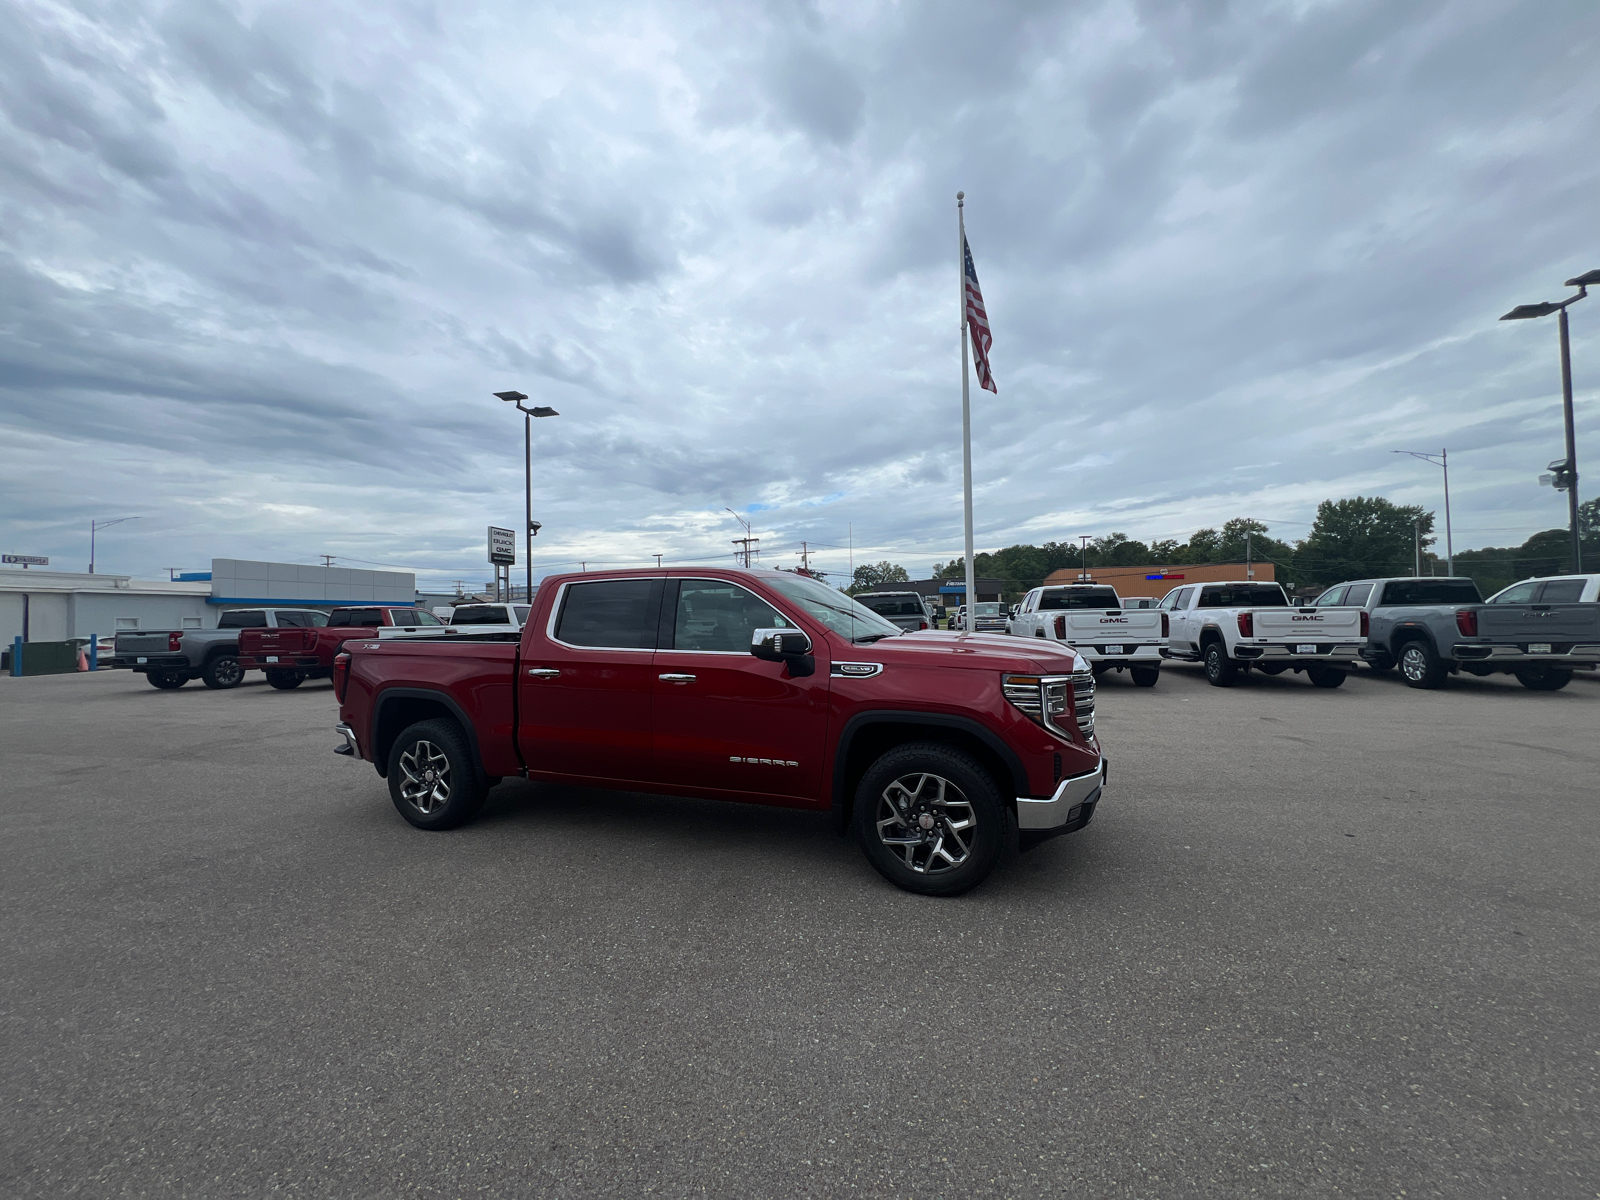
{"x":1068,"y":808}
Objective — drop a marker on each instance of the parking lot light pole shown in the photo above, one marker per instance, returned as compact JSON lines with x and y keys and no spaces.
{"x":1567,"y":476}
{"x":528,"y":528}
{"x":1441,"y":459}
{"x":98,"y":525}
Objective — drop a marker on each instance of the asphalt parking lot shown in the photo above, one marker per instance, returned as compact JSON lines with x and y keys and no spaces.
{"x":1315,"y":943}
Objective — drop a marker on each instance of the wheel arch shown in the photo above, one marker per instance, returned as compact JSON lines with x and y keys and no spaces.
{"x":866,"y":736}
{"x":395,"y":709}
{"x":1411,"y":632}
{"x":1211,"y":633}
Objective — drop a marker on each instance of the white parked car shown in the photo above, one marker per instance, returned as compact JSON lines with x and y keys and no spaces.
{"x":1550,"y":589}
{"x":1094,"y":621}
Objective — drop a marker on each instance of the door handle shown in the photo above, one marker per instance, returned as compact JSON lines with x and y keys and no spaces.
{"x":544,"y":672}
{"x":676,"y":678}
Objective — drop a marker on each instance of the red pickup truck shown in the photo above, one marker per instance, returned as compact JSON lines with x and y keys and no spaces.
{"x":291,"y":656}
{"x":753,"y":685}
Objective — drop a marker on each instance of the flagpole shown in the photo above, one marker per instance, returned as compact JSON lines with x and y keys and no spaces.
{"x":966,"y":416}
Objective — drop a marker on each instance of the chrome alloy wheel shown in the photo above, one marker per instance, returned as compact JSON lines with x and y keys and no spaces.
{"x":426,"y":783}
{"x":1413,"y":663}
{"x":928,"y":821}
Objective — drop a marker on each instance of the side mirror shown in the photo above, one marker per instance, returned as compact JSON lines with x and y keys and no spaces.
{"x":788,"y":646}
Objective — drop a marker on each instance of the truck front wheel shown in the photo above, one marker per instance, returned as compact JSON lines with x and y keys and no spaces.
{"x":222,"y":671}
{"x":1420,"y":666}
{"x":432,"y":778}
{"x":931,"y":820}
{"x":1221,"y":671}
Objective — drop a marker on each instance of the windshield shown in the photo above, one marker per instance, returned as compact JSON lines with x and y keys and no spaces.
{"x":830,"y":606}
{"x":1101,"y":598}
{"x":985,"y":608}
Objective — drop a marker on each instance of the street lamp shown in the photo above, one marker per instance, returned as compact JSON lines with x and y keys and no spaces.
{"x":97,"y":525}
{"x":1564,"y":473}
{"x":1441,"y":459}
{"x":529,"y":527}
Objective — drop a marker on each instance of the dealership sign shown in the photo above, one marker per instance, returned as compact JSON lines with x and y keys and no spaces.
{"x":27,"y":560}
{"x":502,"y":546}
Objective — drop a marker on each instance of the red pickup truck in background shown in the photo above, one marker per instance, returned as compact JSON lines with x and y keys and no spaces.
{"x":752,"y":685}
{"x":291,"y":656}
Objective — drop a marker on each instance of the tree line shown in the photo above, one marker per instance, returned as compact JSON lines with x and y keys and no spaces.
{"x":1358,"y":537}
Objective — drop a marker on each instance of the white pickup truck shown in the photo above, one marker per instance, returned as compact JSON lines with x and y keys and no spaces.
{"x":1242,"y":626}
{"x":1091,"y":619}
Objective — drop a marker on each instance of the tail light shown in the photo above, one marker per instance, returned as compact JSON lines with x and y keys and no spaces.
{"x":1247,"y":624}
{"x":1366,"y":623}
{"x":1467,"y":621}
{"x":922,"y":624}
{"x":1166,"y":626}
{"x":1061,"y":628}
{"x":341,"y":675}
{"x":174,"y":642}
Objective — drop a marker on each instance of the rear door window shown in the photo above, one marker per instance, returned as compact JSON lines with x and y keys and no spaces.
{"x":717,"y":616}
{"x":1356,"y":597}
{"x":617,"y":614}
{"x":1561,"y":591}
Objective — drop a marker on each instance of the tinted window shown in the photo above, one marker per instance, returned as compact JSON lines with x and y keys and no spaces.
{"x":481,"y":614}
{"x":1054,"y":598}
{"x":1334,"y":595}
{"x":292,"y":620}
{"x":893,"y":606}
{"x":1243,"y":595}
{"x":243,"y":619}
{"x":412,"y":616}
{"x":522,"y":613}
{"x":1430,"y":591}
{"x":359,"y":618}
{"x":1356,"y":597}
{"x":1561,"y":591}
{"x":614,"y":613}
{"x":713,"y":615}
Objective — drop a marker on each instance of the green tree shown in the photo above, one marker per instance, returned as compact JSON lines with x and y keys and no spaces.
{"x":870,"y":577}
{"x":1358,"y":537}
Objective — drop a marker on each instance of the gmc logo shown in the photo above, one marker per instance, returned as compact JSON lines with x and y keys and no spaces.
{"x":1305,"y":618}
{"x":1113,"y":620}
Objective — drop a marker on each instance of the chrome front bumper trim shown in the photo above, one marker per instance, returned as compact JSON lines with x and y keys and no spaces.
{"x":1070,"y":793}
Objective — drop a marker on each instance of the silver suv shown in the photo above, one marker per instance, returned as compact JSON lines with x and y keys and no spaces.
{"x":904,"y":609}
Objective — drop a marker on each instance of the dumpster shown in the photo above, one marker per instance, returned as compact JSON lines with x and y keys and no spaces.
{"x":43,"y":658}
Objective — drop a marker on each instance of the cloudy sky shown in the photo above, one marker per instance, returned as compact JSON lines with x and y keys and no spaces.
{"x":261,"y":266}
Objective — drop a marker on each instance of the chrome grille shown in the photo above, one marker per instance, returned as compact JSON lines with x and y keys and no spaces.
{"x":1083,"y":700}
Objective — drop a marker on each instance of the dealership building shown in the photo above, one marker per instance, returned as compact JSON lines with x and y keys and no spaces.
{"x":41,"y":605}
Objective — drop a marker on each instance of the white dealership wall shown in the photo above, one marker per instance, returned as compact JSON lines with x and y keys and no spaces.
{"x":242,"y":581}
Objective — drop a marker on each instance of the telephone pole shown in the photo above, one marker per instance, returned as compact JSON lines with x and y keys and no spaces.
{"x":748,"y":545}
{"x":327,"y":559}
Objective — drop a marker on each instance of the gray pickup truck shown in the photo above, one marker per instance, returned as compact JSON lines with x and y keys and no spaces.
{"x":1434,"y":627}
{"x":169,"y":658}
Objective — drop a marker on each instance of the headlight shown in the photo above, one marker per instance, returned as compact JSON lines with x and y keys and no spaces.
{"x":1044,"y":700}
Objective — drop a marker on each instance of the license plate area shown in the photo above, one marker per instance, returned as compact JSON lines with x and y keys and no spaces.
{"x":1539,"y":648}
{"x":1116,"y":650}
{"x":1304,"y":649}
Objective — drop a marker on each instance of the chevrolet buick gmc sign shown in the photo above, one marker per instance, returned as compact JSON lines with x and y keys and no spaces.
{"x":502,"y":546}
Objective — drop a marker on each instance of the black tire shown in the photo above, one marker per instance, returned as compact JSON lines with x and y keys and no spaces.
{"x":285,"y":680}
{"x":452,"y":794}
{"x":1420,"y":666}
{"x":1145,"y":676}
{"x":944,"y":788}
{"x":1221,"y":671}
{"x":1325,"y":677}
{"x":1381,"y":662}
{"x":167,"y":681}
{"x":222,"y":671}
{"x":1544,"y":679}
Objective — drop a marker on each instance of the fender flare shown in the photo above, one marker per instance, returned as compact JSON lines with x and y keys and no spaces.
{"x":410,"y":693}
{"x":1413,"y":631}
{"x":887,"y":716}
{"x":1206,"y":636}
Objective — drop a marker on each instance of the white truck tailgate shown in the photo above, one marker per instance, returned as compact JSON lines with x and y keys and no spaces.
{"x":1308,"y":626}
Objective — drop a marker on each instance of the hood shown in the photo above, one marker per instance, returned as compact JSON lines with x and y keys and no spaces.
{"x":974,"y":651}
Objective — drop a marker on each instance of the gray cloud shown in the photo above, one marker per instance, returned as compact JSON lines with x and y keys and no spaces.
{"x":260,"y":268}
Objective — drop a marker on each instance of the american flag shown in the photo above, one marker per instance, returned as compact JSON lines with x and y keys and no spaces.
{"x":978,"y":322}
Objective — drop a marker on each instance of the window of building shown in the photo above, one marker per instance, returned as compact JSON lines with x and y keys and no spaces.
{"x":191,"y":623}
{"x":127,"y":622}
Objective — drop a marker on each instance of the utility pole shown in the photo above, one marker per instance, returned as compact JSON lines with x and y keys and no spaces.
{"x":805,"y":559}
{"x":1416,"y":530}
{"x":327,"y":559}
{"x":746,"y":543}
{"x":657,"y":557}
{"x":1249,"y":565}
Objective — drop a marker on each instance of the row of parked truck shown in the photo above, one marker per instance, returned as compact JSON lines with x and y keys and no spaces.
{"x":1540,"y":630}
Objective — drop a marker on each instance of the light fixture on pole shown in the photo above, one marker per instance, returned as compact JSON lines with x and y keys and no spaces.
{"x":1441,"y":459}
{"x":1564,"y":471}
{"x":95,"y":526}
{"x":531,"y":527}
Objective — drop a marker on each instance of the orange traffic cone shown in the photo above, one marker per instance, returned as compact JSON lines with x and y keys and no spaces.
{"x":83,"y":660}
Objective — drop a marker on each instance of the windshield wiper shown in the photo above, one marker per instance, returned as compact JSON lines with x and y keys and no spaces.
{"x":867,"y":639}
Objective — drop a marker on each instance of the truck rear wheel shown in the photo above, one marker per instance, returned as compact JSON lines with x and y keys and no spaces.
{"x":1145,"y":676}
{"x":432,"y":778}
{"x":284,"y":680}
{"x":1420,"y":666}
{"x":931,"y":820}
{"x":1544,"y":679}
{"x":222,"y":671}
{"x":1221,"y":671}
{"x":167,"y":681}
